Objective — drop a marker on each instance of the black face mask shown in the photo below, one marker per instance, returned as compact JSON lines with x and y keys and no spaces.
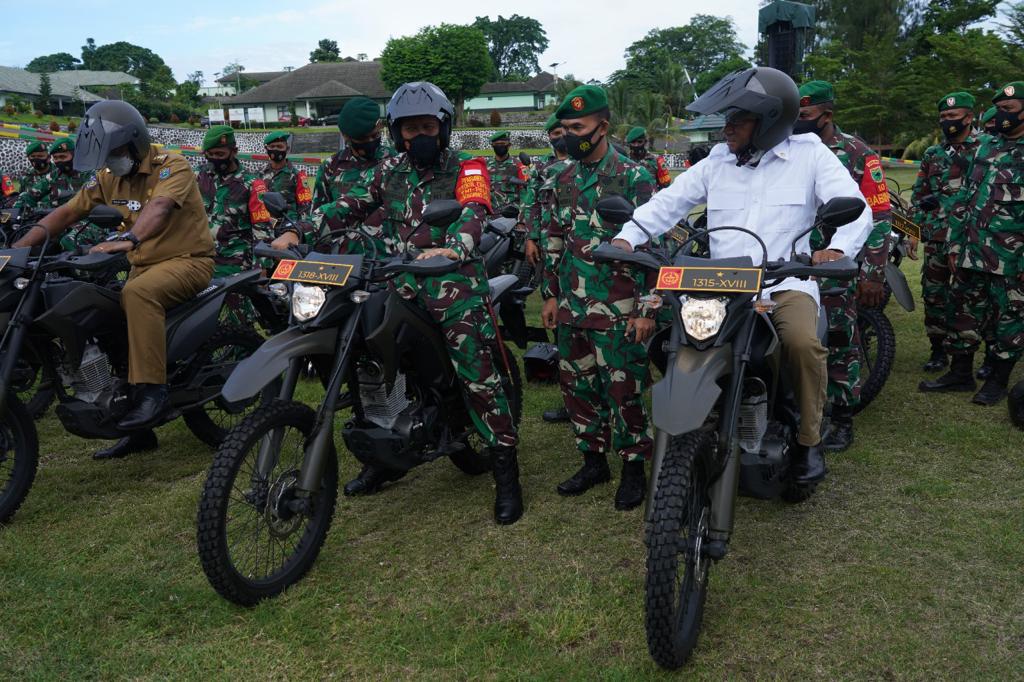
{"x":637,"y":152}
{"x":580,"y":147}
{"x":277,"y":156}
{"x":221,"y":166}
{"x":558,"y":144}
{"x":424,"y":150}
{"x":40,"y":164}
{"x":1006,"y":121}
{"x":953,"y":127}
{"x":809,"y":125}
{"x":66,"y":167}
{"x":500,"y":150}
{"x":366,"y":150}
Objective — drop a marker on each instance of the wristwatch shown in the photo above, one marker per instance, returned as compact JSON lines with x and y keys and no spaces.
{"x":124,"y":237}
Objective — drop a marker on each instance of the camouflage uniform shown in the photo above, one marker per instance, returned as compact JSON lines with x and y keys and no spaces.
{"x":844,"y":355}
{"x":29,"y":179}
{"x":45,"y":193}
{"x":291,"y":183}
{"x":602,"y":373}
{"x":941,"y":176}
{"x":986,"y":235}
{"x":543,"y":169}
{"x":389,"y":206}
{"x":503,"y":190}
{"x":655,"y":165}
{"x":341,"y":172}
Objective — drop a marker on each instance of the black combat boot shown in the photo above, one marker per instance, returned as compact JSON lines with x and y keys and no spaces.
{"x":994,"y":388}
{"x":807,"y":464}
{"x":959,"y":378}
{"x":938,"y":359}
{"x":594,"y":471}
{"x":556,"y":415}
{"x":840,"y":433}
{"x":631,"y":486}
{"x":370,"y":480}
{"x":508,"y":494}
{"x":985,"y":371}
{"x":150,"y":403}
{"x":140,"y":441}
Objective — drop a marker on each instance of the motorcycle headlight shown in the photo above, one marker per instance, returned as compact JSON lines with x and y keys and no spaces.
{"x":307,"y":301}
{"x":703,"y":317}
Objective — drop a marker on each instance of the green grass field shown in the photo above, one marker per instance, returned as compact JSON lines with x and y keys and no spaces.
{"x":904,"y":565}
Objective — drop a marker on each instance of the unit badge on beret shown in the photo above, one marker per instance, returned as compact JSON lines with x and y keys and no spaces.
{"x":950,"y":101}
{"x":577,"y":103}
{"x":1009,"y":90}
{"x":805,"y":101}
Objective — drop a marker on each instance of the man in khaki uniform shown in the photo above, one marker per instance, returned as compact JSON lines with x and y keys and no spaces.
{"x":165,"y":235}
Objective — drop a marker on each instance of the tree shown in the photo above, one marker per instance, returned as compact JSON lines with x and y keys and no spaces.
{"x":196,"y":77}
{"x":88,"y":52}
{"x":45,"y":92}
{"x":58,"y":61}
{"x":155,"y":77}
{"x":454,"y":58}
{"x":1014,"y":26}
{"x":514,"y":44}
{"x":326,"y":51}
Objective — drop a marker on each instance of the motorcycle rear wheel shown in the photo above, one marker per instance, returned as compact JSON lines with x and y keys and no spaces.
{"x":878,"y":353}
{"x":252,"y":544}
{"x":677,"y":566}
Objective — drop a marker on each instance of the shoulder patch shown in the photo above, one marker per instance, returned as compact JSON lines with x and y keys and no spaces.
{"x":92,"y":182}
{"x":165,"y":173}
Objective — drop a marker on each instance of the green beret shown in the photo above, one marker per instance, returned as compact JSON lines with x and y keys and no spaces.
{"x":1014,"y":90}
{"x":219,"y":136}
{"x":816,"y":92}
{"x":358,"y":117}
{"x":34,"y":147}
{"x":635,"y":134}
{"x":552,"y":123}
{"x":583,"y":101}
{"x":277,"y":136}
{"x":66,"y":144}
{"x":957,"y":100}
{"x":500,"y":135}
{"x":989,"y":114}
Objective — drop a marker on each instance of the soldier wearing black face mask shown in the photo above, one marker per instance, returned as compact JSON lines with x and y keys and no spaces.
{"x":59,"y":184}
{"x":360,"y":126}
{"x":39,"y":159}
{"x":281,"y":176}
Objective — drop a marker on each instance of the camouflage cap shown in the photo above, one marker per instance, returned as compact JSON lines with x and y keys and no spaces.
{"x":66,"y":144}
{"x":277,"y":136}
{"x":552,"y":123}
{"x":358,"y":117}
{"x":989,"y":114}
{"x":219,"y":136}
{"x":34,"y":147}
{"x":1014,"y":90}
{"x":635,"y":134}
{"x":500,"y":135}
{"x":956,"y":100}
{"x":583,"y":101}
{"x":816,"y":92}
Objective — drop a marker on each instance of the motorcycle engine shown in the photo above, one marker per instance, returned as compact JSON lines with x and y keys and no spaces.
{"x":93,"y":377}
{"x":380,"y":406}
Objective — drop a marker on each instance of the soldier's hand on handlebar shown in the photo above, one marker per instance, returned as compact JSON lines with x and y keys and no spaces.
{"x":285,"y":241}
{"x":430,"y":253}
{"x":622,"y":244}
{"x":826,"y":256}
{"x":119,"y":246}
{"x":532,"y":252}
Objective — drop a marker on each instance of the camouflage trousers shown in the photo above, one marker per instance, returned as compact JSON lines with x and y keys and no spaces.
{"x":983,"y":301}
{"x":935,"y":289}
{"x":843,"y":342}
{"x":237,"y":309}
{"x":603,"y":376}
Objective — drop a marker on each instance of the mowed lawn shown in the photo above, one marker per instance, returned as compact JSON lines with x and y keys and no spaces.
{"x":905,"y":564}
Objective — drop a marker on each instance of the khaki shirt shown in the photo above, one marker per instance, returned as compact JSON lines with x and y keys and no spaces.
{"x":159,"y":175}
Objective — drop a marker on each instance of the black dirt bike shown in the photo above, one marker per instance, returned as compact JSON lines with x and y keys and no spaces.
{"x":724,"y":416}
{"x":270,"y":495}
{"x":68,"y":321}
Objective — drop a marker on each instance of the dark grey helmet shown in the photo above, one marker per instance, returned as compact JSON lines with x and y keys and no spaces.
{"x":106,"y":126}
{"x":420,"y":99}
{"x":766,"y":92}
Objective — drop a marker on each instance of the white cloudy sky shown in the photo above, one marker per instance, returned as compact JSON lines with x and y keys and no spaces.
{"x":266,"y":36}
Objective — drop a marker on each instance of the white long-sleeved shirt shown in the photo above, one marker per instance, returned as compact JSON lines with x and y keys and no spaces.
{"x":777,"y":199}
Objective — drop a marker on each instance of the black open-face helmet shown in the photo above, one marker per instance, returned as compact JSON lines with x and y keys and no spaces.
{"x":106,"y":126}
{"x":420,"y":99}
{"x":768,"y":93}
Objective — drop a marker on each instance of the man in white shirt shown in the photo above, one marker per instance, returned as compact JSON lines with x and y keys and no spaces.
{"x":771,"y":182}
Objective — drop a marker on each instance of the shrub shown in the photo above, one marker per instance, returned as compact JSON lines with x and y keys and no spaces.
{"x":495,"y":118}
{"x":38,"y":113}
{"x":10,"y":110}
{"x":154,"y":119}
{"x":72,"y":125}
{"x":174,"y":119}
{"x":54,"y":126}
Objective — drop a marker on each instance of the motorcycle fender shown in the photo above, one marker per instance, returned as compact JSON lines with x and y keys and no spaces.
{"x":684,"y":398}
{"x":501,"y":284}
{"x":897,"y":281}
{"x":273,"y":357}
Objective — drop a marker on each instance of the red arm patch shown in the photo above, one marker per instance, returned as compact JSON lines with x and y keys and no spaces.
{"x":6,"y":186}
{"x":258,"y":212}
{"x":474,"y":183}
{"x":873,"y":187}
{"x":303,"y":195}
{"x":664,"y":177}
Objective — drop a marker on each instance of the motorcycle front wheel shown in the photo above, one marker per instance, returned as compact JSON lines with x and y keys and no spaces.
{"x":677,"y":563}
{"x":19,"y":457}
{"x":257,"y":534}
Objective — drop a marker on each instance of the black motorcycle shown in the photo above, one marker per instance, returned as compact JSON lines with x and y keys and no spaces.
{"x":67,"y":319}
{"x":270,"y":494}
{"x":724,"y":415}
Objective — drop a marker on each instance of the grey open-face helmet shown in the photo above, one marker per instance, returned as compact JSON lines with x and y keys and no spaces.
{"x":106,"y":126}
{"x":420,"y":99}
{"x":768,"y":93}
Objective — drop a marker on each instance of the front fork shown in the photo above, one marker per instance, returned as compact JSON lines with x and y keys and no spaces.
{"x":14,"y":338}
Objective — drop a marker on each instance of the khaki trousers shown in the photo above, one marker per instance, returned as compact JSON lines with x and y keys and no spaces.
{"x":149,"y":292}
{"x":796,"y":320}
